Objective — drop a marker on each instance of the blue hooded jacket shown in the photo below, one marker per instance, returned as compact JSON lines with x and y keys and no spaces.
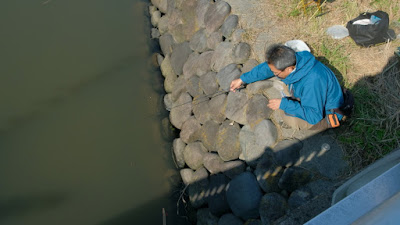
{"x":314,"y":84}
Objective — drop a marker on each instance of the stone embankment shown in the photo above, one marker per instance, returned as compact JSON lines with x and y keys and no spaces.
{"x":238,"y":163}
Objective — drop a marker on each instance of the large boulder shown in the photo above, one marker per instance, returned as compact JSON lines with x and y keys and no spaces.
{"x":201,"y":9}
{"x":189,"y":128}
{"x":163,"y":24}
{"x":208,"y":135}
{"x":198,"y":42}
{"x":257,"y":110}
{"x":294,"y":177}
{"x":168,"y":102}
{"x":228,"y":145}
{"x":241,"y":53}
{"x":160,"y":4}
{"x":249,"y":65}
{"x":181,"y":110}
{"x":258,"y":87}
{"x":179,"y":56}
{"x":222,"y":56}
{"x":233,"y":168}
{"x":287,"y":152}
{"x":155,"y":17}
{"x":166,"y":43}
{"x":193,"y":86}
{"x":229,"y":219}
{"x":237,"y":36}
{"x":299,"y":197}
{"x":229,"y":25}
{"x":213,"y":163}
{"x":201,"y":109}
{"x":217,"y":106}
{"x":204,"y":217}
{"x":255,"y":141}
{"x":178,"y":147}
{"x":217,"y":201}
{"x":272,"y":207}
{"x":189,"y":176}
{"x":226,"y":75}
{"x":268,"y":174}
{"x":204,"y":63}
{"x":236,"y":107}
{"x":166,"y":68}
{"x":194,"y":154}
{"x":244,"y":196}
{"x":183,"y":23}
{"x":214,"y":39}
{"x":208,"y":83}
{"x":215,"y":15}
{"x":189,"y":68}
{"x":186,"y":175}
{"x":179,"y":88}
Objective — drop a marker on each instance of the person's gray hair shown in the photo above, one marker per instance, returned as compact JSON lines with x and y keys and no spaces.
{"x":280,"y":56}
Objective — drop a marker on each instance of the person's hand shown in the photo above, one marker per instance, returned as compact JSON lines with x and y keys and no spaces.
{"x":235,"y":84}
{"x":274,"y":103}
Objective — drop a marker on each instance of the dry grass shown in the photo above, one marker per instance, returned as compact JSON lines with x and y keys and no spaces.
{"x":374,"y":129}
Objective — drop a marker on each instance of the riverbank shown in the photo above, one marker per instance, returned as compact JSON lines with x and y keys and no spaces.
{"x":238,"y":163}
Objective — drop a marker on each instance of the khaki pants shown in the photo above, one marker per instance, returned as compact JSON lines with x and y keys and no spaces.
{"x":299,"y":124}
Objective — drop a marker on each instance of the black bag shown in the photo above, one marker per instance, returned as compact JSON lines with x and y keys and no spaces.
{"x":348,"y":104}
{"x":367,"y":35}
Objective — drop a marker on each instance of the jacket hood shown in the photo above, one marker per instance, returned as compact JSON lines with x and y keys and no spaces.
{"x":305,"y":61}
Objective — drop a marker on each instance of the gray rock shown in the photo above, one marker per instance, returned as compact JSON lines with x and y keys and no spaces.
{"x":167,"y":43}
{"x":236,"y":107}
{"x":320,"y":186}
{"x":299,"y":197}
{"x":217,"y":201}
{"x":189,"y":128}
{"x":204,"y":217}
{"x":197,"y":194}
{"x":203,"y":65}
{"x":155,"y":18}
{"x":201,"y":9}
{"x":214,"y":39}
{"x":213,"y":163}
{"x":229,"y":219}
{"x":208,"y":135}
{"x":244,"y":196}
{"x":226,"y":75}
{"x":169,"y":83}
{"x":200,"y":176}
{"x":152,"y":9}
{"x":201,"y":109}
{"x":294,"y":177}
{"x":160,"y":4}
{"x":159,"y":58}
{"x":272,"y":207}
{"x":179,"y":88}
{"x":268,"y":174}
{"x":241,"y":53}
{"x":217,"y":106}
{"x":163,"y":24}
{"x":187,"y":175}
{"x":189,"y":68}
{"x":249,"y":65}
{"x":228,"y":145}
{"x":229,"y":25}
{"x":287,"y":152}
{"x":166,"y":68}
{"x":182,"y":21}
{"x":237,"y":36}
{"x":181,"y":111}
{"x":197,"y":64}
{"x":222,"y":56}
{"x":168,"y":102}
{"x":266,"y":133}
{"x":179,"y":56}
{"x":262,"y":43}
{"x":215,"y":15}
{"x":155,"y":33}
{"x":259,"y":87}
{"x":178,"y":147}
{"x":208,"y":83}
{"x":233,"y":168}
{"x":198,"y":42}
{"x":193,"y":86}
{"x":250,"y":151}
{"x":193,"y":155}
{"x":257,"y":110}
